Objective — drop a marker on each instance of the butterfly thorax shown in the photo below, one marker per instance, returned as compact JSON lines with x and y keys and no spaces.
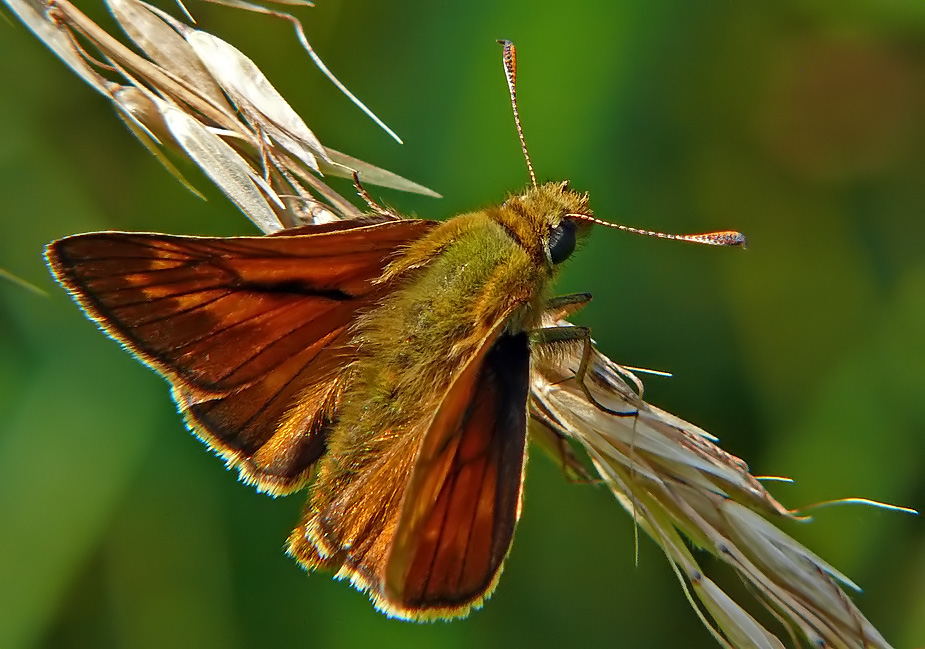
{"x":414,"y":342}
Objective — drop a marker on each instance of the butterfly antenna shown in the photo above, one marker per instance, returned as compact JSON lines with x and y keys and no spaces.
{"x":721,"y":238}
{"x":509,"y":58}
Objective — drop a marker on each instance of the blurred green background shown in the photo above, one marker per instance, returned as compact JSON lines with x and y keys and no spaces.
{"x":799,"y":122}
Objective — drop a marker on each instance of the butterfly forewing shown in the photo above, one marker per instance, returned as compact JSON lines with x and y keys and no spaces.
{"x":250,"y":331}
{"x":463,"y":498}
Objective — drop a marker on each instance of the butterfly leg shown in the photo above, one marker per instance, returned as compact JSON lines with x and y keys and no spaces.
{"x":553,"y":439}
{"x":563,"y":306}
{"x":566,"y":335}
{"x":373,"y":205}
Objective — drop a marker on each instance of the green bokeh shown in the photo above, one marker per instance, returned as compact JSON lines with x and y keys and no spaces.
{"x":798,"y":122}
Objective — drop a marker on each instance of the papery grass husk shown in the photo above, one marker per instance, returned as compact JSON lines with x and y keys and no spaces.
{"x":192,"y":95}
{"x":670,"y":476}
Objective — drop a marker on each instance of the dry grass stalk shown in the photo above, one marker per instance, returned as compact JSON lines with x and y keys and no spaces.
{"x":194,"y":93}
{"x":198,"y":94}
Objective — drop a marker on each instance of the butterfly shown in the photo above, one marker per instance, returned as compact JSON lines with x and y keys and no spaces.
{"x":382,"y":363}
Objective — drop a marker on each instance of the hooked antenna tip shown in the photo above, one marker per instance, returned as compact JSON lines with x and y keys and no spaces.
{"x":509,"y":58}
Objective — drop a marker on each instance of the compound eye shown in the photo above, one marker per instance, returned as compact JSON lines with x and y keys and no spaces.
{"x":562,"y":241}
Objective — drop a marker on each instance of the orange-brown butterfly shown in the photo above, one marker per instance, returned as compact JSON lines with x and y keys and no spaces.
{"x":384,"y":362}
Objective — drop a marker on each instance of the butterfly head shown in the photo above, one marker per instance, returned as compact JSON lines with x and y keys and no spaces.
{"x":547,"y":212}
